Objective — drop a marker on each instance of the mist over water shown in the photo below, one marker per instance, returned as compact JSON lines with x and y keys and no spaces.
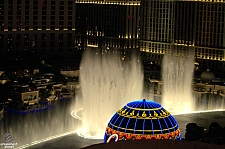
{"x":177,"y":72}
{"x":107,"y":83}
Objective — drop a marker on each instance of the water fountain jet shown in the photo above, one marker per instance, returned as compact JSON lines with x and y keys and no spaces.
{"x":108,"y":81}
{"x":177,"y":75}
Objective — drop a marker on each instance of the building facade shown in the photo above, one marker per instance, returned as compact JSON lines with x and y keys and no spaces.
{"x":112,"y":24}
{"x":156,"y":27}
{"x":37,"y":26}
{"x":176,"y":27}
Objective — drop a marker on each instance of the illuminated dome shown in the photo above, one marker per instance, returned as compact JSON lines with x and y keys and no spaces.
{"x":142,"y":119}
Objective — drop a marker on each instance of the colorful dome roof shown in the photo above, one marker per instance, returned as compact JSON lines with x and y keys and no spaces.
{"x":142,"y":119}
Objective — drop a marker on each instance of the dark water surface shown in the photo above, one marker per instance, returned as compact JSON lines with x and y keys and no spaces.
{"x":26,"y":128}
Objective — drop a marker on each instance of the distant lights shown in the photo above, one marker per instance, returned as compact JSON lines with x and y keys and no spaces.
{"x":110,"y":3}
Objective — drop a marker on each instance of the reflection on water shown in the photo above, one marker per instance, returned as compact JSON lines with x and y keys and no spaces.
{"x":208,"y":101}
{"x":30,"y":127}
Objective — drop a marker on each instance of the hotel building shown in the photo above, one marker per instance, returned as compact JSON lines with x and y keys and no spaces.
{"x":156,"y":27}
{"x":108,"y":23}
{"x":176,"y":27}
{"x":37,"y":26}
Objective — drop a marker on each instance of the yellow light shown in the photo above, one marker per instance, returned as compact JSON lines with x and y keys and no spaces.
{"x":90,"y":45}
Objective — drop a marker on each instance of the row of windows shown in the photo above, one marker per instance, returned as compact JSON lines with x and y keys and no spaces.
{"x":199,"y":52}
{"x":108,"y":42}
{"x":36,"y":17}
{"x":209,"y":6}
{"x":43,"y":44}
{"x":212,"y":54}
{"x":43,"y":13}
{"x":10,"y":7}
{"x":27,"y":2}
{"x":18,"y":28}
{"x":156,"y":47}
{"x":43,"y":36}
{"x":40,"y":50}
{"x":211,"y":57}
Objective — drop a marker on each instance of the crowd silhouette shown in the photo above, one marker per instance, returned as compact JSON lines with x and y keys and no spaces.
{"x":215,"y":134}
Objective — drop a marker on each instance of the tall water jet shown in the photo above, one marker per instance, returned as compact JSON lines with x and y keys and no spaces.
{"x":108,"y":80}
{"x":177,"y":79}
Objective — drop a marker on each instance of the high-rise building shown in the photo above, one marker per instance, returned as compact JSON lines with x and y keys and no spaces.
{"x":177,"y":26}
{"x":156,"y":27}
{"x":108,"y":23}
{"x":37,"y":26}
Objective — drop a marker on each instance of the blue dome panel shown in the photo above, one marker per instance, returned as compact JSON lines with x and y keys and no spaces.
{"x":142,"y":119}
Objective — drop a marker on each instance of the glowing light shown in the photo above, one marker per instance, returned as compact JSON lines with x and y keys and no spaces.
{"x":74,"y":114}
{"x":110,"y":3}
{"x":90,"y":45}
{"x":112,"y":137}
